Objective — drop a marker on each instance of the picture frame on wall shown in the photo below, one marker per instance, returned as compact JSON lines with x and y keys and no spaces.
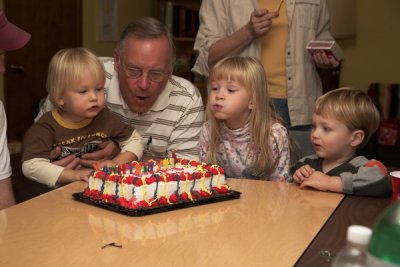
{"x":107,"y":20}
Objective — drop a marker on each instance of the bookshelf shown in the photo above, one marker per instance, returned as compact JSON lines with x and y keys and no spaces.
{"x":182,"y":18}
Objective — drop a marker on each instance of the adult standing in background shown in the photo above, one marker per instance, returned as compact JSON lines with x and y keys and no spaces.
{"x":11,"y":38}
{"x":165,"y":109}
{"x":276,"y":32}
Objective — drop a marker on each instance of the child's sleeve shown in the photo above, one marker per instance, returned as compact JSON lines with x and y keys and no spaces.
{"x":133,"y":144}
{"x":42,"y":171}
{"x":36,"y":148}
{"x":369,"y":179}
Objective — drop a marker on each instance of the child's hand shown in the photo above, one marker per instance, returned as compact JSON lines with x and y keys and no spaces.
{"x":68,"y":176}
{"x":302,"y":173}
{"x":323,"y":182}
{"x":108,"y":163}
{"x":82,"y":174}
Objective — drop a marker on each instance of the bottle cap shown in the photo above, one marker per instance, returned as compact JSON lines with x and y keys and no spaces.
{"x":359,"y":234}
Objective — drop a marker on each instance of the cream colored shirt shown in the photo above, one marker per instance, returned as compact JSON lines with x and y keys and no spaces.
{"x":308,"y":20}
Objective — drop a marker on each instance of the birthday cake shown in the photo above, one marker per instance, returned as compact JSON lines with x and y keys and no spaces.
{"x":141,"y":185}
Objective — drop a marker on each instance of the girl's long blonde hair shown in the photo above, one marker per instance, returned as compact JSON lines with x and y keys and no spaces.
{"x":249,"y":73}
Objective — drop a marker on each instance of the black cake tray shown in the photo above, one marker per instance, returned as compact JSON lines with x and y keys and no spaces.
{"x":152,"y":210}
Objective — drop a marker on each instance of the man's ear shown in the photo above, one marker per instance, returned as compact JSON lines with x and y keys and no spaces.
{"x":357,"y":138}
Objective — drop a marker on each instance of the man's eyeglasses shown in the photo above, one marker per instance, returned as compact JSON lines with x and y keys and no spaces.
{"x":135,"y":73}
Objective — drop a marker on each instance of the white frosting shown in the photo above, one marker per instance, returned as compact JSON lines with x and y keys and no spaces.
{"x":156,"y":190}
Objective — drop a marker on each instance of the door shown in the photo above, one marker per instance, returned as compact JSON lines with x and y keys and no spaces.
{"x":53,"y":25}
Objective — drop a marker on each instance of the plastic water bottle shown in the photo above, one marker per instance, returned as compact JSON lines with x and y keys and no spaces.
{"x":384,"y":247}
{"x":354,"y":254}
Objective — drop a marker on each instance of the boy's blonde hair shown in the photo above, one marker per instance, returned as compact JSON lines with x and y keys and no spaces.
{"x":351,"y":107}
{"x":250,"y":74}
{"x":66,"y":69}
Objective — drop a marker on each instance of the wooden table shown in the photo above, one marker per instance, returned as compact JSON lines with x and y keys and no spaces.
{"x":353,"y":210}
{"x":271,"y":224}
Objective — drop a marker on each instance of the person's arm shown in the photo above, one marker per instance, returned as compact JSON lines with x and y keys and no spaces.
{"x":42,"y":171}
{"x":121,"y":158}
{"x":370,"y":179}
{"x":68,"y":176}
{"x":7,"y":198}
{"x":6,"y":193}
{"x":323,"y":182}
{"x":321,"y":60}
{"x":131,"y":150}
{"x":302,"y":172}
{"x":324,"y":61}
{"x":219,"y":20}
{"x":107,"y":150}
{"x":260,"y":22}
{"x":69,"y":162}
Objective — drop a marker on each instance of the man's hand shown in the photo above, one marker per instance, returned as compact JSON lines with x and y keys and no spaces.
{"x":260,"y":22}
{"x":324,"y":61}
{"x":70,"y":162}
{"x":107,"y":150}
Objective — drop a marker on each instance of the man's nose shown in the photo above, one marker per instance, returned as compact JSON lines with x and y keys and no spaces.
{"x":144,"y":81}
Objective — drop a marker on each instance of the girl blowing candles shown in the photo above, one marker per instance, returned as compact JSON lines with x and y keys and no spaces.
{"x":243,"y":133}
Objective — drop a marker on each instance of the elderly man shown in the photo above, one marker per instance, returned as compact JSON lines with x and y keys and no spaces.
{"x":166,"y":110}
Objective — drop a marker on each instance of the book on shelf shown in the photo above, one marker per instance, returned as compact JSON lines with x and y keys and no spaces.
{"x":182,"y":21}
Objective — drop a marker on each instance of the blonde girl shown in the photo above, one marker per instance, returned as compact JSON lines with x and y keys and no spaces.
{"x":243,"y":132}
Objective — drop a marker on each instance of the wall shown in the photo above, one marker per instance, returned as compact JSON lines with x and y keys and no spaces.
{"x":373,"y":55}
{"x":128,"y":10}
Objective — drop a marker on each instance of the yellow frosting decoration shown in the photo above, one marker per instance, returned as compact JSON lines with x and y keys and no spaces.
{"x":203,"y":179}
{"x":186,"y":181}
{"x":93,"y":183}
{"x":108,"y":182}
{"x":123,"y":186}
{"x":144,"y":187}
{"x":217,"y":180}
{"x":185,"y":186}
{"x":164,"y":193}
{"x":151,"y":202}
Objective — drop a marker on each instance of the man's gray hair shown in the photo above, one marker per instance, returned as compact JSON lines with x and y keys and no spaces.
{"x":147,"y":28}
